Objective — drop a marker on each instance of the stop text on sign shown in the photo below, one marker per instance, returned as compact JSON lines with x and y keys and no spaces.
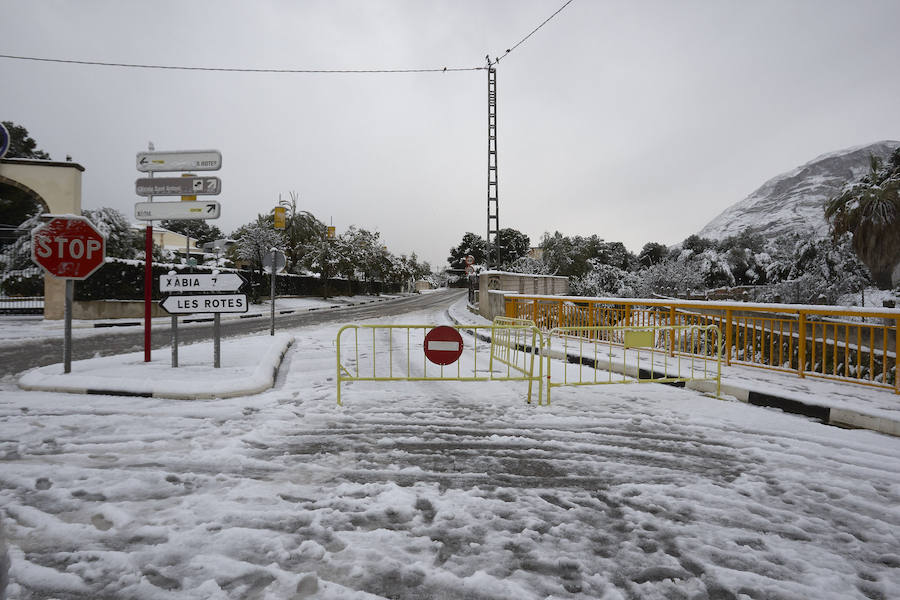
{"x":75,"y":248}
{"x":69,"y":247}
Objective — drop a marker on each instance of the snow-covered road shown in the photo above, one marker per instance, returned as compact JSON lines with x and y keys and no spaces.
{"x":440,"y":490}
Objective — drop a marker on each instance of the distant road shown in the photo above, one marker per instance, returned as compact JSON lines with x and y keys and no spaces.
{"x":27,"y":355}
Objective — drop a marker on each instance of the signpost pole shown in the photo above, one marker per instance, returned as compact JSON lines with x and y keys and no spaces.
{"x":174,"y":336}
{"x":67,"y":335}
{"x":148,"y":283}
{"x":217,"y":338}
{"x":174,"y":341}
{"x":272,"y":291}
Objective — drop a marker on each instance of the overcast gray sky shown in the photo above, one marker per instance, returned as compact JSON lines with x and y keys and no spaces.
{"x":635,"y":120}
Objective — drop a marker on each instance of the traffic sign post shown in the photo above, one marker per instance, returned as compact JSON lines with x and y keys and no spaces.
{"x":188,"y":186}
{"x":272,"y":263}
{"x":70,"y":248}
{"x":443,"y":345}
{"x":201,"y":282}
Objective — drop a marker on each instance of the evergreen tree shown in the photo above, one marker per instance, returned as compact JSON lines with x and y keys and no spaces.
{"x":652,"y":253}
{"x":472,"y":244}
{"x":512,"y":244}
{"x":21,"y":145}
{"x":15,"y":205}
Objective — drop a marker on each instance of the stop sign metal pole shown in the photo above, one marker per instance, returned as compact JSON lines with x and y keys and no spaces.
{"x":67,"y":335}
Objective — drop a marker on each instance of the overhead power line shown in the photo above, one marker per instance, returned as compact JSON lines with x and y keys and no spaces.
{"x":533,"y":31}
{"x":234,"y":69}
{"x":250,"y":70}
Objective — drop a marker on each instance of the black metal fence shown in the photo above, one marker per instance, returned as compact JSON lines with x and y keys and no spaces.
{"x":18,"y":293}
{"x":21,"y":283}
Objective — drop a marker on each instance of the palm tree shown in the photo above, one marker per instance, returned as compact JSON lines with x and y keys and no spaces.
{"x":870,"y":211}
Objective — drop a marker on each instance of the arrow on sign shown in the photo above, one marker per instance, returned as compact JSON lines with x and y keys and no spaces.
{"x":157,"y":211}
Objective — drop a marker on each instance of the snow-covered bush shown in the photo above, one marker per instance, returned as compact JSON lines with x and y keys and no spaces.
{"x":603,"y":280}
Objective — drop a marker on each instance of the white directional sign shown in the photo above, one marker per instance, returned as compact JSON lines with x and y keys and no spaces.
{"x":212,"y":303}
{"x":202,"y":282}
{"x":158,"y":211}
{"x":185,"y":160}
{"x":178,"y":186}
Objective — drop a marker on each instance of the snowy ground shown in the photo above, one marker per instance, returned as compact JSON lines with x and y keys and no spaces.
{"x":440,"y":490}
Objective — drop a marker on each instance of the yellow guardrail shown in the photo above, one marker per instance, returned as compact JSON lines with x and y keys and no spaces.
{"x":855,"y":345}
{"x":633,"y":354}
{"x":397,"y":353}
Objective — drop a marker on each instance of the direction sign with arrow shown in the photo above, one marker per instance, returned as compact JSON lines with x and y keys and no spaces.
{"x":201,"y":282}
{"x":178,"y":186}
{"x":158,"y":211}
{"x":205,"y":303}
{"x":185,"y":160}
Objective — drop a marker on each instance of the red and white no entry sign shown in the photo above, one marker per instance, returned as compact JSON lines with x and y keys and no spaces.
{"x":443,"y":345}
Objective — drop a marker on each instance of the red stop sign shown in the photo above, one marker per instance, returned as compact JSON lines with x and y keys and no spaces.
{"x":68,"y":247}
{"x":443,"y":345}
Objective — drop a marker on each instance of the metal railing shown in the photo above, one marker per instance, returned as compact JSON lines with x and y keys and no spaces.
{"x":15,"y":303}
{"x":598,"y":355}
{"x":855,"y":345}
{"x":397,"y":353}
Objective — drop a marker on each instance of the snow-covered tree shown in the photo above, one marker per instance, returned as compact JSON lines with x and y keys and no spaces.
{"x":604,"y":280}
{"x":671,"y":277}
{"x":256,"y":240}
{"x":122,"y":241}
{"x":512,"y":244}
{"x":17,"y":255}
{"x":526,"y":264}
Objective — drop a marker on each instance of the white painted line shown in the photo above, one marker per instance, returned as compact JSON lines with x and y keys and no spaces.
{"x":443,"y":346}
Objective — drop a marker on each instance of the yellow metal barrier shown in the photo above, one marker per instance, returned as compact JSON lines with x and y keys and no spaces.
{"x":397,"y":353}
{"x":846,"y":344}
{"x":627,"y":354}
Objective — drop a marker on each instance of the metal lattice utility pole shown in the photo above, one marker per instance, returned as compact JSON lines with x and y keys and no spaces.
{"x":493,"y":184}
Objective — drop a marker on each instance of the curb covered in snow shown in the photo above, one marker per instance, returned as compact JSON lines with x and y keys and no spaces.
{"x":127,"y":375}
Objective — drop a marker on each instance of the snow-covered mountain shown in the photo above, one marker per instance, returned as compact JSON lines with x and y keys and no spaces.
{"x":794,"y":201}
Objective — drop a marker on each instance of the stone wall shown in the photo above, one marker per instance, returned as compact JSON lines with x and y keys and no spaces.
{"x":519,"y":283}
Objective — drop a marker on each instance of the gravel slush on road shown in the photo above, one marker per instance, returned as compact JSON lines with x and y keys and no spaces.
{"x":439,"y":490}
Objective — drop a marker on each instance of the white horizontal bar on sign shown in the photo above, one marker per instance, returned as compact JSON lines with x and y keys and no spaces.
{"x":443,"y":346}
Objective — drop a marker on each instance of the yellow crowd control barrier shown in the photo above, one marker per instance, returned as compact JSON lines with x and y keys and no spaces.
{"x":853,"y":345}
{"x":397,"y":353}
{"x":593,"y":355}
